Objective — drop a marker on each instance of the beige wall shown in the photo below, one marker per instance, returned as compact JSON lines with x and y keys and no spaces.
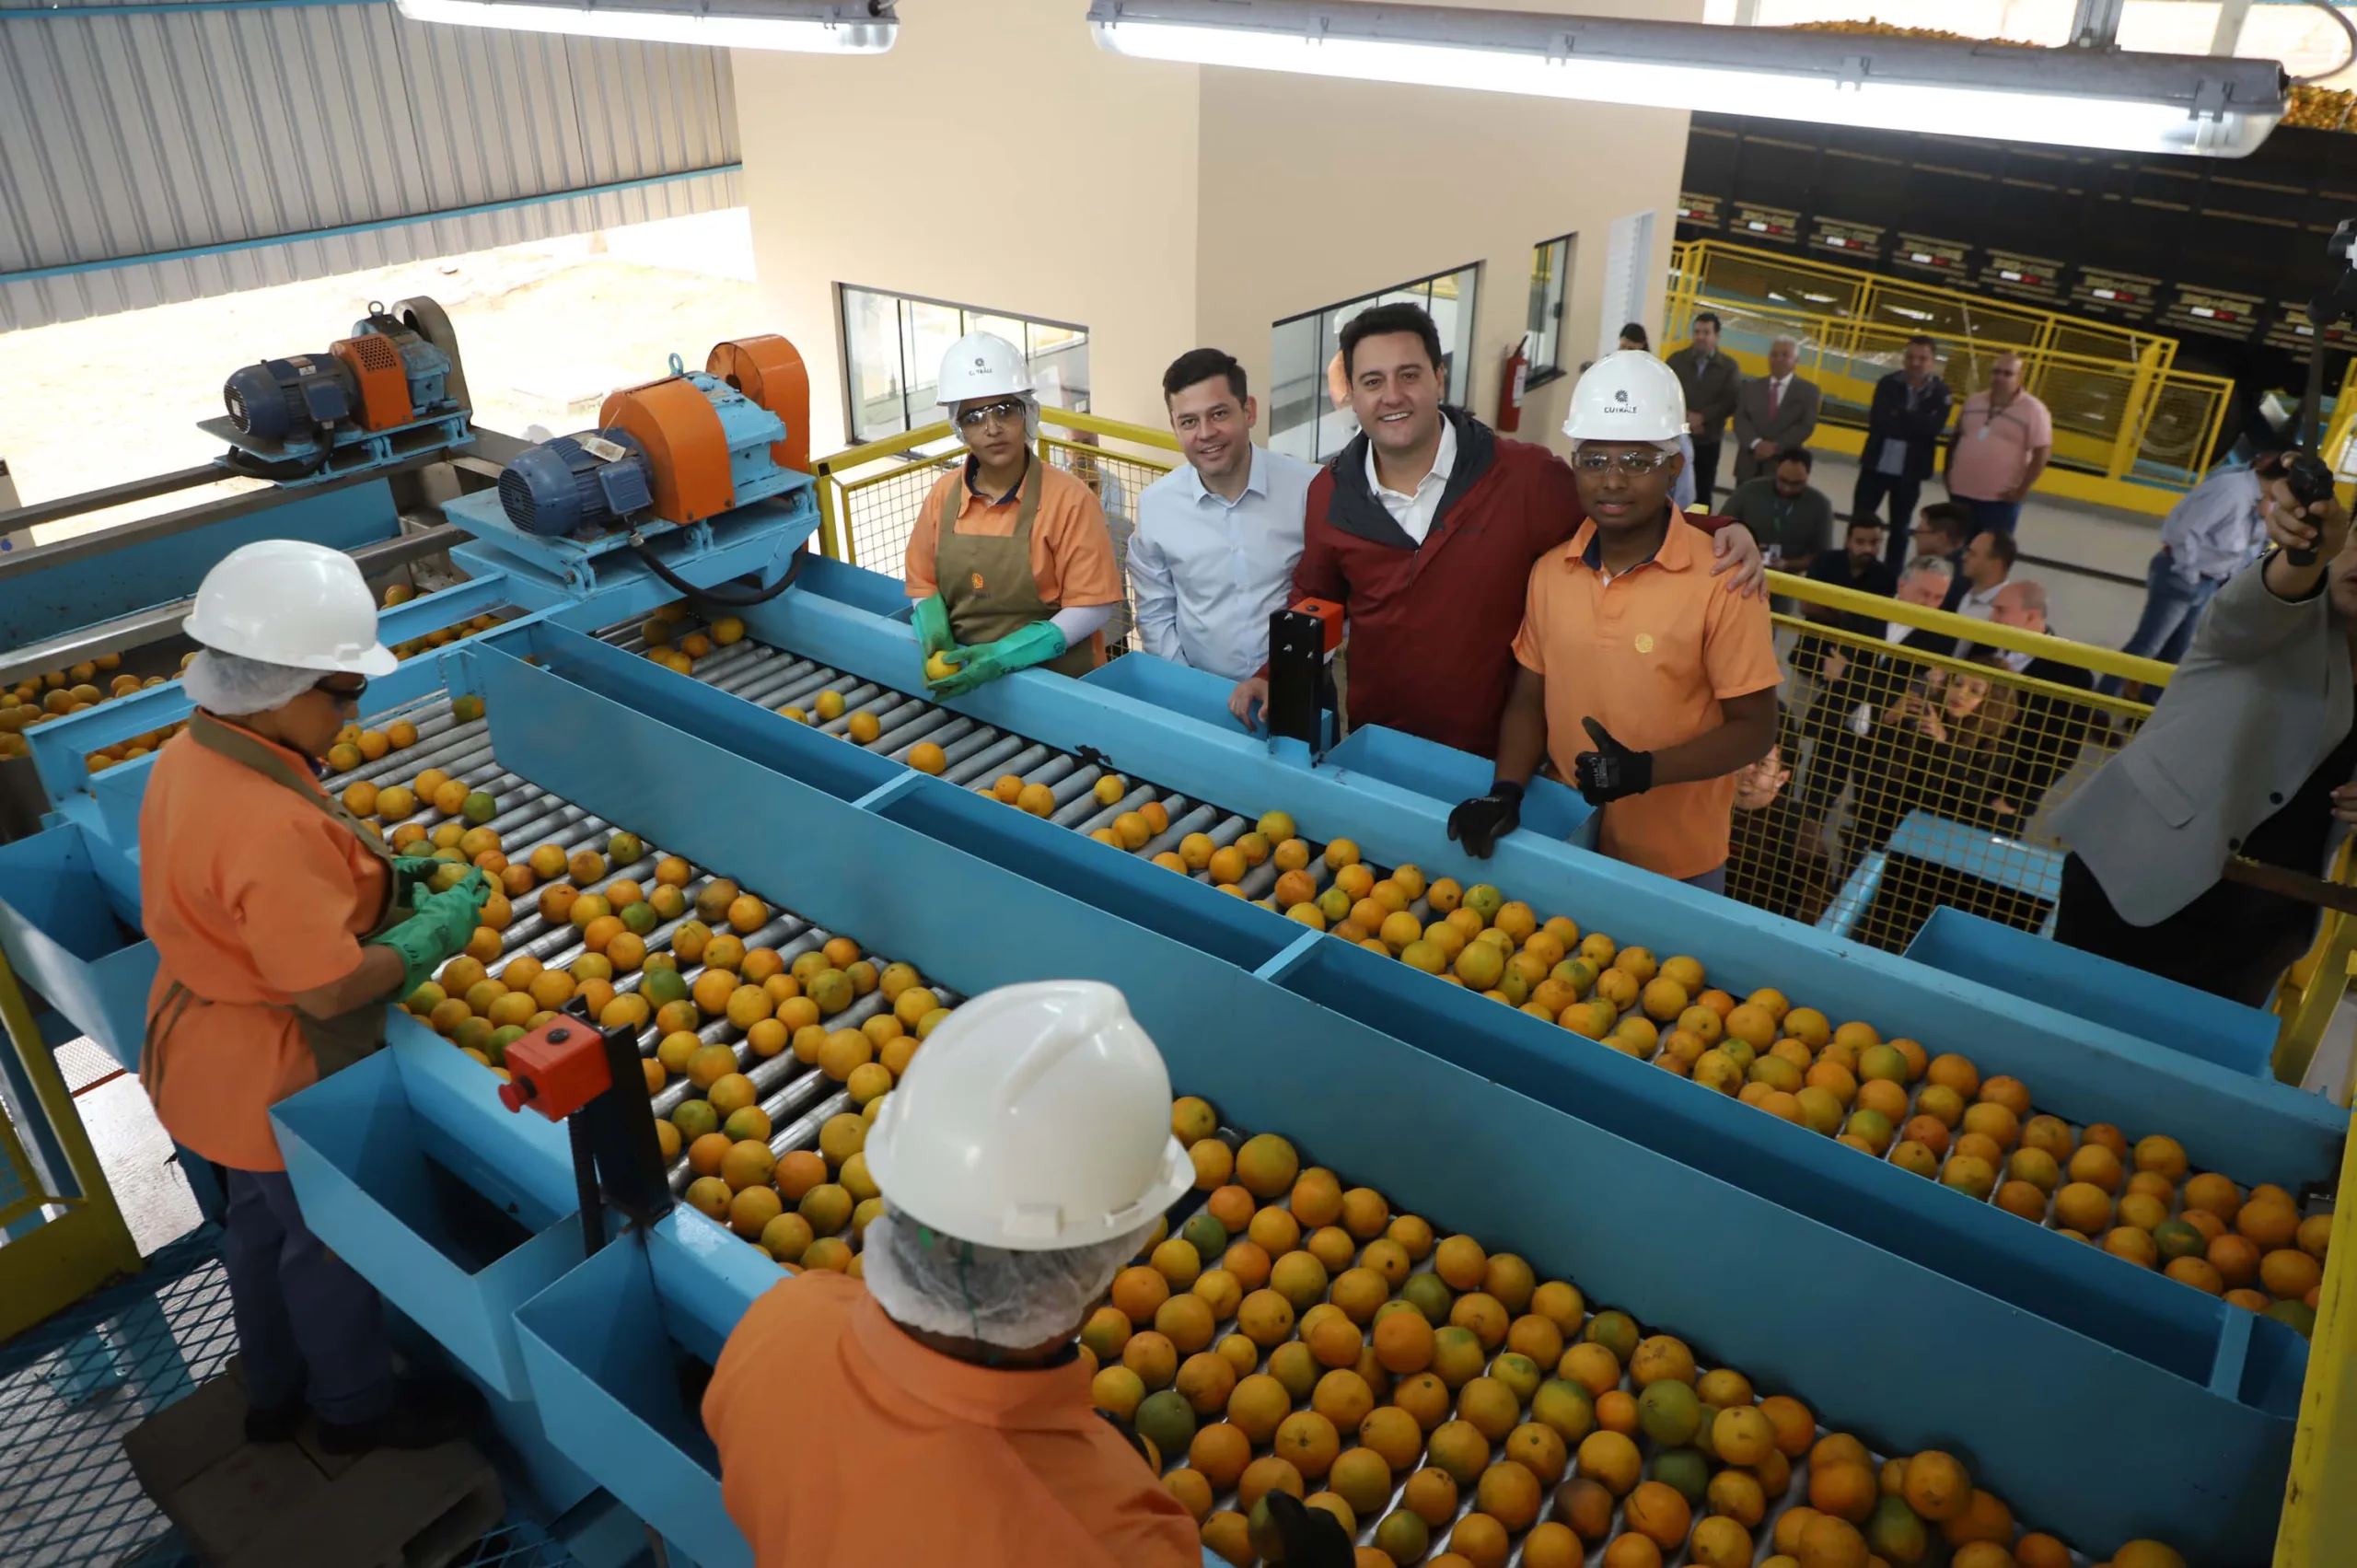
{"x":993,"y":158}
{"x":1165,"y":207}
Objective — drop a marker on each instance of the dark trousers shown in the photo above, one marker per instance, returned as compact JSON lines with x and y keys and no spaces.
{"x":1991,"y":517}
{"x":1867,"y":499}
{"x":2232,"y":941}
{"x":307,"y":1325}
{"x":1706,"y":470}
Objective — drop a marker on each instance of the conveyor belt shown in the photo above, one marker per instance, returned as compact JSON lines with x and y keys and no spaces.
{"x":798,"y":1100}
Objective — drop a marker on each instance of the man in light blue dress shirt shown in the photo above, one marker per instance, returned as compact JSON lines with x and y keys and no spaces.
{"x":2208,"y":537}
{"x":1216,"y":538}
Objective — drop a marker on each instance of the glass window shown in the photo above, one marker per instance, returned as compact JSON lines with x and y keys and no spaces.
{"x":893,"y":349}
{"x":1306,"y":418}
{"x":1550,"y":268}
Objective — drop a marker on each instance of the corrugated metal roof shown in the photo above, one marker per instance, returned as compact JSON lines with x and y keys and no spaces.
{"x":127,"y":136}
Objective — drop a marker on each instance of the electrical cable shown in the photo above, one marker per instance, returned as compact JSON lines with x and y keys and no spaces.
{"x":741,"y":599}
{"x":2329,"y":9}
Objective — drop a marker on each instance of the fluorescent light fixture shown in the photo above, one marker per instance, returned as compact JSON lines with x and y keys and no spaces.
{"x":2083,"y":97}
{"x":856,"y":27}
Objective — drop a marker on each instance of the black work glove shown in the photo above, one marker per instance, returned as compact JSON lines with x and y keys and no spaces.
{"x":1611,"y":770}
{"x":1481,"y":823}
{"x":1312,"y":1537}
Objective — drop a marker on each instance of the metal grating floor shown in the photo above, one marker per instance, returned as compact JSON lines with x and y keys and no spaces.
{"x":70,"y":1388}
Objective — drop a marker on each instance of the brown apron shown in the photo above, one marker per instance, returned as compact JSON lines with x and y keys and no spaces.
{"x":987,"y":582}
{"x":338,"y":1042}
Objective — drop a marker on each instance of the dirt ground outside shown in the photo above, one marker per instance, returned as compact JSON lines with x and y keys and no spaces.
{"x":546,"y":330}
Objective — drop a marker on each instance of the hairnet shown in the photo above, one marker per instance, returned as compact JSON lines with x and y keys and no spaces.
{"x":1013,"y":1300}
{"x":227,"y":683}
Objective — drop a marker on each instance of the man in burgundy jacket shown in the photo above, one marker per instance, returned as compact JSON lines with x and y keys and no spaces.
{"x":1432,"y":577}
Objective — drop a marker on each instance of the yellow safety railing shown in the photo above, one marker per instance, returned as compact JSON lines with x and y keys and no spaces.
{"x":1922,"y":776}
{"x":59,"y":1239}
{"x":869,"y":496}
{"x":2129,"y":429}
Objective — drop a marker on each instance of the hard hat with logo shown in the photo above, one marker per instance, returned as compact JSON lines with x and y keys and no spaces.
{"x":982,"y":365}
{"x":1627,"y":396}
{"x":288,"y":601}
{"x":1036,"y":1117}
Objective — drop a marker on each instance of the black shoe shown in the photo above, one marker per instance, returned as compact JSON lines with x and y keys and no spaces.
{"x":422,"y":1415}
{"x":274,"y":1423}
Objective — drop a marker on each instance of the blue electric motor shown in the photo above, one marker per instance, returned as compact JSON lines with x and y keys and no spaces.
{"x":382,"y":376}
{"x":575,"y":482}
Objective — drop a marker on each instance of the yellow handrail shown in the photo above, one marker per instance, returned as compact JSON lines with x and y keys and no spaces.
{"x":2319,"y":1518}
{"x":2037,"y":645}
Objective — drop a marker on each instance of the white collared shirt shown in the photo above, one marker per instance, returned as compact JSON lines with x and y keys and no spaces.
{"x":1414,"y":514}
{"x":1208,"y":571}
{"x":1779,"y":388}
{"x":2216,"y":530}
{"x":1980,"y":603}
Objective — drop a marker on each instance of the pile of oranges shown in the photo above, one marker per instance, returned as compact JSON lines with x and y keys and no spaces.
{"x":674,"y":650}
{"x":1298,"y":1335}
{"x":37,"y":698}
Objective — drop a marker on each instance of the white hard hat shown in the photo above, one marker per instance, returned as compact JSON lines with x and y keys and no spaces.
{"x":291,"y":603}
{"x":1036,"y":1117}
{"x":982,"y":365}
{"x":1627,"y":396}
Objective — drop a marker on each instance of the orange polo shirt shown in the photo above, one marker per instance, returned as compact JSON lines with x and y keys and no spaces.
{"x":844,"y":1441}
{"x":1650,"y":655}
{"x":249,"y":897}
{"x":1072,"y":552}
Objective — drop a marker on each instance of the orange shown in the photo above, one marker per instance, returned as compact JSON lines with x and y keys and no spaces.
{"x":1459,"y":1447}
{"x":1795,"y":1426}
{"x":1300,"y":1278}
{"x":1206,"y":1380}
{"x":1829,"y":1542}
{"x":1719,"y":1542}
{"x":1632,"y":1551}
{"x":1332,"y":1245}
{"x":1362,"y":1478}
{"x":1489,"y":1407}
{"x":1140,"y":1291}
{"x":1317,"y":1198}
{"x":1256,"y":1404}
{"x":1393,"y":1434}
{"x":1265,"y":1318}
{"x":1264,"y":1475}
{"x":1403,"y":1341}
{"x":1227,"y":1534}
{"x":1591,"y":1366}
{"x":1664,"y":1356}
{"x":1937,"y":1487}
{"x":1478,"y":1540}
{"x":1480,"y":1312}
{"x":2039,"y":1550}
{"x":1431,"y":1495}
{"x":1232,"y":1206}
{"x":1335,"y":1340}
{"x":1658,"y":1512}
{"x":2215,"y":1193}
{"x":1425,"y":1397}
{"x":2289,"y":1274}
{"x":1186,"y":1321}
{"x":1610,"y":1458}
{"x":1274,"y":1231}
{"x":1845,"y":1490}
{"x":1309,"y":1442}
{"x":2235,"y":1258}
{"x":2268,"y":1223}
{"x":1248,"y":1263}
{"x":1403,"y":1537}
{"x":1365,"y":1213}
{"x":1267,"y":1165}
{"x":1220,"y":1451}
{"x":1152,"y":1357}
{"x":1460,"y":1262}
{"x":1743,"y":1435}
{"x":1738,"y":1495}
{"x":2146,"y":1554}
{"x":1985,"y":1519}
{"x":1539,"y":1448}
{"x":1537,"y":1338}
{"x":1117,"y":1391}
{"x":2197,"y":1273}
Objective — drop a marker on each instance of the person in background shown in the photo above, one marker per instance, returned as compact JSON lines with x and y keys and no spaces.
{"x":2052,"y":729}
{"x":1217,"y":539}
{"x":1853,"y":685}
{"x":2250,"y":752}
{"x":1947,"y":748}
{"x":1791,"y":517}
{"x":1009,"y":563}
{"x":1774,"y":414}
{"x":1988,"y":563}
{"x":2212,"y":533}
{"x":1944,"y":529}
{"x":1645,"y":683}
{"x":283,"y":926}
{"x":1857,"y":564}
{"x":2003,"y":440}
{"x":1634,"y":335}
{"x":1423,"y":530}
{"x":1710,"y":379}
{"x":1022,"y":1161}
{"x":1904,"y":424}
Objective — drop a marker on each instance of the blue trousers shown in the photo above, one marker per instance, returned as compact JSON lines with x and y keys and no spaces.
{"x":2172,"y":608}
{"x":307,"y":1325}
{"x":1990,"y":517}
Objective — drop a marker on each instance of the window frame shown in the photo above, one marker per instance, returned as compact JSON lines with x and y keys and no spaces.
{"x":1549,"y":368}
{"x":970,"y":318}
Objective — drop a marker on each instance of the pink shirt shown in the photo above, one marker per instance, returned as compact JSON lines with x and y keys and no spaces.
{"x":1992,"y":450}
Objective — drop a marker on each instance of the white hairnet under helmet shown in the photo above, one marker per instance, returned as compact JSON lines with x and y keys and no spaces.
{"x":223,"y":684}
{"x":1627,"y":396}
{"x":286,"y":601}
{"x":1036,"y":1118}
{"x":1013,"y":1300}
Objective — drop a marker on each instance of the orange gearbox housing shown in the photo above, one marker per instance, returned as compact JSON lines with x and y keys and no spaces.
{"x":686,"y":448}
{"x":769,"y":370}
{"x":375,"y":364}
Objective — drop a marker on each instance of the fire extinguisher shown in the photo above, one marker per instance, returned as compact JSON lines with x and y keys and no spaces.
{"x":1510,"y":387}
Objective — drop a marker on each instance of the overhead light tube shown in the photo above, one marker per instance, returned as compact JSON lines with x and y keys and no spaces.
{"x":2071,"y":97}
{"x":856,"y":27}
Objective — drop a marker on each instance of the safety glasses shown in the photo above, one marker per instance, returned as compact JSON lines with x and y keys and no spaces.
{"x":1626,"y":463}
{"x":343,"y":689}
{"x":1007,"y":410}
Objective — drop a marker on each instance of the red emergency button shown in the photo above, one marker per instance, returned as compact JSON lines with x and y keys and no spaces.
{"x":556,"y":1069}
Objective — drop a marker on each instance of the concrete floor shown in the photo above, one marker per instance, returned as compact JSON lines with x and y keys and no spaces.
{"x":132,"y":1145}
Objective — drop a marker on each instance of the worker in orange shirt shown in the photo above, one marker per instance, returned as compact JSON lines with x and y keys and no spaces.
{"x":1646,"y":687}
{"x":1010,"y":564}
{"x":1023,"y":1161}
{"x":282,"y":928}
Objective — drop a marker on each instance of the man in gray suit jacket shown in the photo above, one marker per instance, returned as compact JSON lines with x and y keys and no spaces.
{"x":1773,"y":412}
{"x":1708,"y":379}
{"x":2249,"y":752}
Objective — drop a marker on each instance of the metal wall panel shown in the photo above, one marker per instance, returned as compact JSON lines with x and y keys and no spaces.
{"x":127,"y":136}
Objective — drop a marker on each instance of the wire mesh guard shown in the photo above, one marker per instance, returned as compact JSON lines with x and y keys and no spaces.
{"x":70,"y":1388}
{"x":1924,"y":774}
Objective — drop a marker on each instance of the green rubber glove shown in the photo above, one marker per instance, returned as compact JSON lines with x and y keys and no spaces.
{"x":440,"y":929}
{"x":411,"y":872}
{"x":931,"y":618}
{"x":1035,"y":644}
